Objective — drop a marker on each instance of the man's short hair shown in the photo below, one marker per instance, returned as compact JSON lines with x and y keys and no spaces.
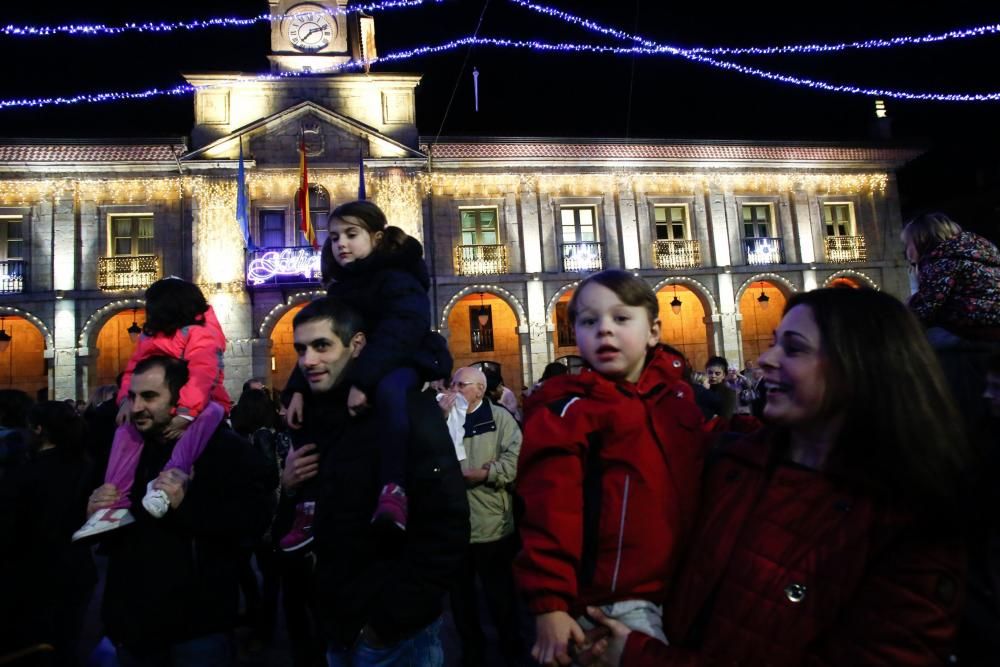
{"x":344,"y":320}
{"x":175,"y":372}
{"x":719,"y":362}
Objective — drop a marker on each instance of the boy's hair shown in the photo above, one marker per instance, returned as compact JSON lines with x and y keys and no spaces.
{"x":929,"y":230}
{"x":175,"y":372}
{"x":61,"y":426}
{"x":718,"y":361}
{"x":172,"y":304}
{"x":631,"y":290}
{"x":344,"y":320}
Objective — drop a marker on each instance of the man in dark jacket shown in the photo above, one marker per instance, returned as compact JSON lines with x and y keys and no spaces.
{"x":172,"y":589}
{"x":380,"y":598}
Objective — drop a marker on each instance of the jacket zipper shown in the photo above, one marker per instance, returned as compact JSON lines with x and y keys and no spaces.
{"x":621,"y":534}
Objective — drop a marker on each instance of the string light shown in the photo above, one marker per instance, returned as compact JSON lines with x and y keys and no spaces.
{"x":184,"y":89}
{"x":654,"y":47}
{"x":100,"y":29}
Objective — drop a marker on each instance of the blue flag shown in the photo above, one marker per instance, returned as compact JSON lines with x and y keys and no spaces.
{"x":361,"y":175}
{"x":242,"y":205}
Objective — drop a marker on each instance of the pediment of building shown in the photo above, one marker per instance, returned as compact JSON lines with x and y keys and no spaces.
{"x":331,"y":139}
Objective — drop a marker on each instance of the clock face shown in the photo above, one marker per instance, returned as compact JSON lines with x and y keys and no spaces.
{"x":310,"y":28}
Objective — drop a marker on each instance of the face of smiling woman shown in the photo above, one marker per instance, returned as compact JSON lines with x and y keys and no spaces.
{"x":795,"y":371}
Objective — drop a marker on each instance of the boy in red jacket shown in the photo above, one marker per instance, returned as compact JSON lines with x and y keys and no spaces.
{"x":608,"y":471}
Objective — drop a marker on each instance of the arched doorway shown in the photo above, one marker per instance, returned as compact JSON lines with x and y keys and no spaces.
{"x":563,"y":337}
{"x":761,"y":306}
{"x":482,"y":327}
{"x":115,"y":346}
{"x":22,"y":364}
{"x":685,"y":329}
{"x":845,"y":282}
{"x":283,"y":357}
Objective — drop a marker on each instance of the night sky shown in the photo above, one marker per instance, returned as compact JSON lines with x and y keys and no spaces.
{"x":529,"y":94}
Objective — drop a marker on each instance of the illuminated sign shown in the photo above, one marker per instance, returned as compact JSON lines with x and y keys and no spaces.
{"x":273,"y":265}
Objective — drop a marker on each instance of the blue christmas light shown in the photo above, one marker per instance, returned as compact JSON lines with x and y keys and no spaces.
{"x":100,"y":29}
{"x":518,"y":44}
{"x":799,"y":49}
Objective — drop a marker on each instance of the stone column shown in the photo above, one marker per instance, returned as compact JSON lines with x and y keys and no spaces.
{"x":537,"y":330}
{"x":514,"y":247}
{"x":531,"y":238}
{"x":718,"y":229}
{"x":728,"y":326}
{"x":609,"y":233}
{"x":801,"y":215}
{"x":90,"y":244}
{"x":631,"y":253}
{"x":551,"y":252}
{"x":63,"y":383}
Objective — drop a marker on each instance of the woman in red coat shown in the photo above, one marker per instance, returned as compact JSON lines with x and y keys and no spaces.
{"x":829,"y":539}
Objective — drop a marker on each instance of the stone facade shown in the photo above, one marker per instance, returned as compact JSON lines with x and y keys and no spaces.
{"x":77,"y":280}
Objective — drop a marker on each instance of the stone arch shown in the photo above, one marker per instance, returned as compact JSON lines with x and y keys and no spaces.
{"x":271,"y":319}
{"x":783,"y":284}
{"x":550,"y":309}
{"x":699,"y":289}
{"x":499,"y":292}
{"x":93,"y":325}
{"x":854,"y":275}
{"x":39,"y":324}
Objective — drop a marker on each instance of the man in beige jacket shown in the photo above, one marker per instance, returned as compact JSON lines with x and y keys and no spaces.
{"x":492,"y":443}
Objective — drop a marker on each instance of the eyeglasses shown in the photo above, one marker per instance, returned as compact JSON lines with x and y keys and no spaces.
{"x":462,"y":385}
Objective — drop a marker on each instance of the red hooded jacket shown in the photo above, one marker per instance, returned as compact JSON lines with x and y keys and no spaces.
{"x":202,"y":347}
{"x":609,"y":475}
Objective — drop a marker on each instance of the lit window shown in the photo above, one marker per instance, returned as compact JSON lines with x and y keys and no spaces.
{"x":319,"y":212}
{"x":837,"y":218}
{"x":565,"y":333}
{"x":756,"y":221}
{"x":479,"y":226}
{"x":481,"y":331}
{"x":671,"y":223}
{"x":131,"y":235}
{"x":272,"y":228}
{"x":578,"y":224}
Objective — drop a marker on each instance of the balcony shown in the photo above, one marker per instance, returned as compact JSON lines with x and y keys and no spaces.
{"x":676,"y":254}
{"x":845,"y":249}
{"x":127,"y":272}
{"x":763,"y":250}
{"x":582,"y":257}
{"x":12,"y":276}
{"x":283,"y":266}
{"x":480,"y":260}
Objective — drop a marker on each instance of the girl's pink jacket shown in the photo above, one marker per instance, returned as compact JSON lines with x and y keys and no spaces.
{"x":202,"y":347}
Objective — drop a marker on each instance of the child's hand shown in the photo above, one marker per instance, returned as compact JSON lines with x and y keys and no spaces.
{"x":553,"y":631}
{"x":175,"y":429}
{"x":293,"y":414}
{"x":123,"y":413}
{"x":356,"y":401}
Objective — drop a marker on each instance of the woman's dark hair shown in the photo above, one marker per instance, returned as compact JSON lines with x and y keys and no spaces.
{"x":14,"y":406}
{"x":60,"y":426}
{"x":254,"y":410}
{"x":632,"y":291}
{"x":172,"y":304}
{"x":553,"y":369}
{"x":902,"y":435}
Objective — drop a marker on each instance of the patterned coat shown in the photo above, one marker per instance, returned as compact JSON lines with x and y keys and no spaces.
{"x":960,"y":287}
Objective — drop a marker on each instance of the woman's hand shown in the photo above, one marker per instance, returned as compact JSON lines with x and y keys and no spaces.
{"x":293,"y":414}
{"x":357,"y":402}
{"x":103,"y":496}
{"x":175,"y":429}
{"x":124,"y":410}
{"x":553,"y":632}
{"x":606,"y":651}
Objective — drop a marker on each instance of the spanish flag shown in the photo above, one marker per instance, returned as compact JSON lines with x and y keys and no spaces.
{"x":306,"y":224}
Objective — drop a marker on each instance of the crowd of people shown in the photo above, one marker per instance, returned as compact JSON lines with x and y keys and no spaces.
{"x":832,"y":503}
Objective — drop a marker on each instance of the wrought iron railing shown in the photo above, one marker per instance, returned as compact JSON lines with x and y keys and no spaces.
{"x":763,"y":250}
{"x":480,"y":260}
{"x":11,"y":276}
{"x":676,"y":254}
{"x":127,"y":272}
{"x":843,"y":249}
{"x":582,"y":257}
{"x":280,"y":266}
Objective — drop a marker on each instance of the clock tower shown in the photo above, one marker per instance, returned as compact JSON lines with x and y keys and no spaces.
{"x":318,"y":35}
